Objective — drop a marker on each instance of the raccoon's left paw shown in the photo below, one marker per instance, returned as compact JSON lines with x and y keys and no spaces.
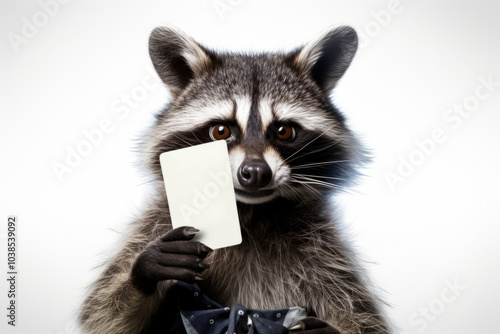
{"x":312,"y":325}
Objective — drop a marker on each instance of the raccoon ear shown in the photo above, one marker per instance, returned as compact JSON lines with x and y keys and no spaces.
{"x":327,"y":58}
{"x":177,"y":58}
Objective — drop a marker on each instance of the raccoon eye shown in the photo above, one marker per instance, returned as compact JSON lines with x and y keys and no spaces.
{"x":219,"y":132}
{"x":285,"y":132}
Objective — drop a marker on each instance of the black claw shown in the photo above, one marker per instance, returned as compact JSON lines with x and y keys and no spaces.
{"x":205,"y":249}
{"x":192,"y":231}
{"x":203,"y":265}
{"x":297,"y":327}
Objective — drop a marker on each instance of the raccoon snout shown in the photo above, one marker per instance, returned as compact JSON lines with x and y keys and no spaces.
{"x":254,"y":174}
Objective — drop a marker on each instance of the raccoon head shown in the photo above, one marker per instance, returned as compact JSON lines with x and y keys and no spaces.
{"x":285,"y":137}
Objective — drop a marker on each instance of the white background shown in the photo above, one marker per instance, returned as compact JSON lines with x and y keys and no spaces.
{"x":441,"y":224}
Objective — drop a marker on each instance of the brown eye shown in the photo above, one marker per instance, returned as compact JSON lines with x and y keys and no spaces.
{"x":285,"y":132}
{"x":220,"y":132}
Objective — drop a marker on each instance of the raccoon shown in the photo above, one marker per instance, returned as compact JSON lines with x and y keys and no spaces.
{"x":290,"y":151}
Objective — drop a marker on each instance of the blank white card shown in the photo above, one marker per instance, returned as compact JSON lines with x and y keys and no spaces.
{"x":200,"y":192}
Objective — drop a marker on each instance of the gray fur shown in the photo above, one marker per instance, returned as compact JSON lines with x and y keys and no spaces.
{"x":292,"y":253}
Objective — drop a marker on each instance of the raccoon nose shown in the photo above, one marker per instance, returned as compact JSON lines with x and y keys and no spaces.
{"x":254,"y":174}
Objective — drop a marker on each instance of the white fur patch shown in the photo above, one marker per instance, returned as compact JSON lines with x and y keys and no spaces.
{"x":195,"y":115}
{"x":243,"y":105}
{"x":307,"y":117}
{"x":310,"y":53}
{"x":256,"y":200}
{"x":281,"y":171}
{"x":195,"y":56}
{"x":236,"y":158}
{"x":266,"y":114}
{"x":194,"y":61}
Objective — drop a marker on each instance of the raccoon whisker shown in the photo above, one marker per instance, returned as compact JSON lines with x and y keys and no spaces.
{"x":304,"y":177}
{"x":288,"y":192}
{"x":313,"y":190}
{"x":320,"y":176}
{"x":185,"y":141}
{"x":312,"y":181}
{"x":309,"y":180}
{"x":319,"y":164}
{"x":312,"y":152}
{"x":308,"y":186}
{"x":196,"y":137}
{"x":312,"y":141}
{"x":324,"y":184}
{"x":294,"y":193}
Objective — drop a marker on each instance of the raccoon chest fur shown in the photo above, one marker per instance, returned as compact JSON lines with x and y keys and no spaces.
{"x":271,"y":268}
{"x":256,"y":274}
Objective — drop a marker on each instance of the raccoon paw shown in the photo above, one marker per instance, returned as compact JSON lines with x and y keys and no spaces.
{"x":171,"y":256}
{"x":312,"y":325}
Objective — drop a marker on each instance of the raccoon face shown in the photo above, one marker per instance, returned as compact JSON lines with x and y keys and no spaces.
{"x":284,"y":136}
